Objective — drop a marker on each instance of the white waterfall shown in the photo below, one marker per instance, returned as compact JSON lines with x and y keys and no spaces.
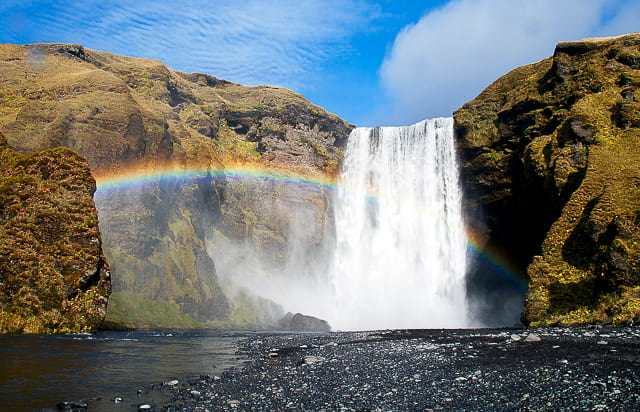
{"x":400,"y":242}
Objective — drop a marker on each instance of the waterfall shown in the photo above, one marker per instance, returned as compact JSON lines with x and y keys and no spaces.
{"x":400,"y":250}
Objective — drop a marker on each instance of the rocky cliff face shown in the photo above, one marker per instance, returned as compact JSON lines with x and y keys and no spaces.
{"x":126,"y":114}
{"x":53,"y":274}
{"x":551,"y":169}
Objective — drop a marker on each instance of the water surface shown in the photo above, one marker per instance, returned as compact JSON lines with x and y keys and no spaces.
{"x":42,"y":370}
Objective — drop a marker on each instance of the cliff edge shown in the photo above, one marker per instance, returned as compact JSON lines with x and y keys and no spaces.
{"x":551,"y":173}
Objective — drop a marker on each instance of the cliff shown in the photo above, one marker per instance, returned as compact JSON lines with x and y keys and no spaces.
{"x":134,"y":115}
{"x":53,"y":274}
{"x":551,"y":173}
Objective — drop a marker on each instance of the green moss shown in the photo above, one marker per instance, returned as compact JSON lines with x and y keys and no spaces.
{"x":231,"y":149}
{"x":49,"y":244}
{"x":138,"y":310}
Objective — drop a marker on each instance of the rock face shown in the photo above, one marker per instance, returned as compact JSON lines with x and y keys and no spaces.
{"x":126,"y":114}
{"x":551,"y":169}
{"x":53,"y":274}
{"x":303,"y":323}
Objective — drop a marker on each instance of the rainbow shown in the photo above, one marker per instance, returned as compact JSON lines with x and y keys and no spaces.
{"x":497,"y":261}
{"x":138,"y":177}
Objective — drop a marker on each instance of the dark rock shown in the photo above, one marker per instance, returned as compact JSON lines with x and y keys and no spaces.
{"x":581,"y":130}
{"x":72,"y":406}
{"x":300,"y":322}
{"x":629,"y":59}
{"x":574,"y":48}
{"x":628,"y":94}
{"x":626,"y":114}
{"x":616,"y":263}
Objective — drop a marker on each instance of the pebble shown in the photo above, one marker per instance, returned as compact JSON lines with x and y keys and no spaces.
{"x":426,"y":370}
{"x":144,"y":407}
{"x":532,"y":337}
{"x":71,"y":406}
{"x":310,"y":360}
{"x":173,"y":382}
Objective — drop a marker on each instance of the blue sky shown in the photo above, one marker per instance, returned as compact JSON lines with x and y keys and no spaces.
{"x":371,"y":62}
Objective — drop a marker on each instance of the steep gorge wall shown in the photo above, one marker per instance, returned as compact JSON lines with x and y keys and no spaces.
{"x":126,"y":114}
{"x":551,"y":173}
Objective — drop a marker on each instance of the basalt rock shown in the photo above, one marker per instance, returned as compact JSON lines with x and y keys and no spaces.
{"x":303,"y":323}
{"x":551,"y":174}
{"x":53,"y":274}
{"x":129,"y":115}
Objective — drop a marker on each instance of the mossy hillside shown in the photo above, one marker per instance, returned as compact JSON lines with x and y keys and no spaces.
{"x":550,"y":155}
{"x":134,"y":310}
{"x":144,"y":110}
{"x":53,"y":275}
{"x":121,"y":112}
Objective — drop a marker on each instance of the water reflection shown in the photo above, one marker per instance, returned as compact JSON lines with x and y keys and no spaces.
{"x":40,"y":371}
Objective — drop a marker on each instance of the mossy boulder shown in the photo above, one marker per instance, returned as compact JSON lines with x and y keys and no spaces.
{"x":53,"y":274}
{"x":551,"y":173}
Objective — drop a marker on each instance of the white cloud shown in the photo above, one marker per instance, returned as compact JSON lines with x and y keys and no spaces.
{"x":247,"y":41}
{"x":454,"y":52}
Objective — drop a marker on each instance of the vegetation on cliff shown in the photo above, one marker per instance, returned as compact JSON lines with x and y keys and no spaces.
{"x":123,"y":113}
{"x":53,"y":274}
{"x":551,"y":169}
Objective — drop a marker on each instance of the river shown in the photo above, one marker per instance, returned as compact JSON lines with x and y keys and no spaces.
{"x":39,"y":371}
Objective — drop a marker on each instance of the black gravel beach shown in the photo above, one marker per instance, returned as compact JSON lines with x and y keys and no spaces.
{"x":540,"y":369}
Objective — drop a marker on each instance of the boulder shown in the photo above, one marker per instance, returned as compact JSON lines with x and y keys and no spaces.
{"x":303,"y":323}
{"x":53,"y":273}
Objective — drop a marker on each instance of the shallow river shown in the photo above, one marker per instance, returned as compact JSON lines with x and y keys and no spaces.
{"x":41,"y":371}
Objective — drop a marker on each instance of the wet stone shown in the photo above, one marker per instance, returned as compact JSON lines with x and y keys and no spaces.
{"x":427,"y":370}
